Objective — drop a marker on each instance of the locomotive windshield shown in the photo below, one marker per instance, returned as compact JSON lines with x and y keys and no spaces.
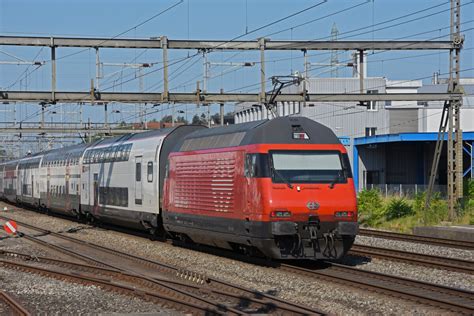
{"x":309,"y":167}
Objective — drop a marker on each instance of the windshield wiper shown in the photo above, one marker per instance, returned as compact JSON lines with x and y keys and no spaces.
{"x":276,"y":172}
{"x":335,"y":180}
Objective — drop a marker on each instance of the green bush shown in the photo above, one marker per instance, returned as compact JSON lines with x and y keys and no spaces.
{"x":469,"y":189}
{"x":370,"y":207}
{"x":419,"y":202}
{"x":397,"y":208}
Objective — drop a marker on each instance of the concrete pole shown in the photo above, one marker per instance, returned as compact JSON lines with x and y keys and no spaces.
{"x":361,"y":70}
{"x":164,"y":46}
{"x":222,"y":110}
{"x":89,"y":125}
{"x":42,"y":116}
{"x":172,"y":115}
{"x":205,"y":72}
{"x":261,"y":43}
{"x":450,"y":158}
{"x":208,"y":115}
{"x":97,"y":68}
{"x":80,"y":114}
{"x":305,"y":77}
{"x":106,"y":116}
{"x":53,"y":70}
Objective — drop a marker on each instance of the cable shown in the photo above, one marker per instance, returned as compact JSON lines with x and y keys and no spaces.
{"x":351,"y":113}
{"x":387,"y":21}
{"x":392,"y":19}
{"x":319,"y":18}
{"x":158,"y":84}
{"x":277,"y":21}
{"x":26,"y":71}
{"x":126,"y":31}
{"x":104,"y":41}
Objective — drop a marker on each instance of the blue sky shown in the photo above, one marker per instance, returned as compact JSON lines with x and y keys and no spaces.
{"x":213,"y":19}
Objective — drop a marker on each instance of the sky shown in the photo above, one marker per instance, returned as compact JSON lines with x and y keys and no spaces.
{"x":214,"y":19}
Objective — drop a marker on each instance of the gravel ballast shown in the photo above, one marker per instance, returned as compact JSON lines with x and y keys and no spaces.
{"x":48,"y":296}
{"x":416,"y":247}
{"x":324,"y":295}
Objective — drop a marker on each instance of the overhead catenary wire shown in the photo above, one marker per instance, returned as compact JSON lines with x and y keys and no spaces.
{"x":395,"y":19}
{"x":121,"y":33}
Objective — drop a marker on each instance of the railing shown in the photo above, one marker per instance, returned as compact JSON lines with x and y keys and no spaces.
{"x":406,"y":190}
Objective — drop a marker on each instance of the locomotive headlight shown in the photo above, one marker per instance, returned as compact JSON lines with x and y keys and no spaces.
{"x":280,"y":213}
{"x":344,"y":214}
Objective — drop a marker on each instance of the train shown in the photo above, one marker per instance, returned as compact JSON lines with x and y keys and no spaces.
{"x":279,"y":188}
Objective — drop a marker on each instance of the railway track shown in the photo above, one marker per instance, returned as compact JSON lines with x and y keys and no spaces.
{"x":460,"y":244}
{"x":16,"y":308}
{"x":111,"y":280}
{"x":197,"y":289}
{"x":441,"y":297}
{"x":457,"y":265}
{"x":449,"y":299}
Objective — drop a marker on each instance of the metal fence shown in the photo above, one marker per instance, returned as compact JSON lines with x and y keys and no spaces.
{"x":406,"y":190}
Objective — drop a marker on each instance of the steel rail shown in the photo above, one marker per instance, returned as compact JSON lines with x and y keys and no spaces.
{"x":224,"y":287}
{"x":14,"y":304}
{"x":153,"y":284}
{"x":183,"y":304}
{"x":443,"y":297}
{"x":461,"y":244}
{"x":451,"y":264}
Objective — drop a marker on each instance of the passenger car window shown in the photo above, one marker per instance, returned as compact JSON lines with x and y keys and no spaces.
{"x":150,"y":171}
{"x":138,"y":171}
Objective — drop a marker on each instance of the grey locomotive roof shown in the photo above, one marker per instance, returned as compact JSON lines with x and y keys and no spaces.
{"x":276,"y":131}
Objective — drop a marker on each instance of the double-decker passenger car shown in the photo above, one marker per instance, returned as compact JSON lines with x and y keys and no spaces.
{"x":281,"y":188}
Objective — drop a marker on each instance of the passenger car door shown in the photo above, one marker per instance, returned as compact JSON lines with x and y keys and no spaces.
{"x":138,"y":181}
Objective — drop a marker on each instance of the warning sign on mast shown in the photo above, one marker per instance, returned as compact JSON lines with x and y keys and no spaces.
{"x":11,"y":227}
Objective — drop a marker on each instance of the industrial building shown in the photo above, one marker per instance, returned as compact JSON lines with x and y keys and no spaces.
{"x":391,"y":144}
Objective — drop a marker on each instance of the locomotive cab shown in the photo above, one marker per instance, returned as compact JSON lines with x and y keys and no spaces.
{"x":307,"y":197}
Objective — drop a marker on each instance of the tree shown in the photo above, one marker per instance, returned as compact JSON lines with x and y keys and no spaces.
{"x":216,"y":118}
{"x":199,"y":120}
{"x":166,"y":119}
{"x":181,"y":119}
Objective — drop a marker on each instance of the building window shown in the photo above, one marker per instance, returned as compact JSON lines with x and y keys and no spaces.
{"x":370,"y":131}
{"x":388,"y":103}
{"x":372,"y":105}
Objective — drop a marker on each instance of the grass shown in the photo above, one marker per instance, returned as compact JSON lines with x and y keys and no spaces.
{"x":401,"y":215}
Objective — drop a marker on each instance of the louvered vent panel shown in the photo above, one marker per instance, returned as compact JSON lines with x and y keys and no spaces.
{"x":206,"y":184}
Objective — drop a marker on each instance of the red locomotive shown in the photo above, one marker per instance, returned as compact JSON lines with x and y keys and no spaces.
{"x":282,"y":187}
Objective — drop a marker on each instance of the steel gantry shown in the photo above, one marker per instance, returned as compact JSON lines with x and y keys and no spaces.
{"x":452,"y":98}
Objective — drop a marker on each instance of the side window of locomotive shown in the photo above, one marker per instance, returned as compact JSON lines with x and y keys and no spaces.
{"x":167,"y":170}
{"x":150,"y":171}
{"x":256,"y":166}
{"x":138,"y":171}
{"x":250,"y":166}
{"x":347,"y":166}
